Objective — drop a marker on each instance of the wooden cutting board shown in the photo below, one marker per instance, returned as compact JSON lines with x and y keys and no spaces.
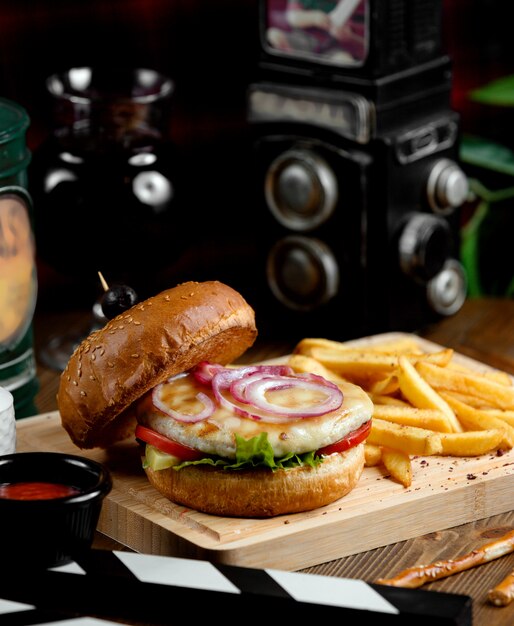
{"x":445,"y":492}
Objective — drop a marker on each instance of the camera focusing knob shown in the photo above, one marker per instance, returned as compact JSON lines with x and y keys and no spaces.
{"x":302,"y":272}
{"x":424,"y":245}
{"x":447,"y":187}
{"x":301,"y":190}
{"x":446,"y":292}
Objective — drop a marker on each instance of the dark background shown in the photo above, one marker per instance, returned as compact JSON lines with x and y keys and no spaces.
{"x":209,"y":49}
{"x":205,"y":47}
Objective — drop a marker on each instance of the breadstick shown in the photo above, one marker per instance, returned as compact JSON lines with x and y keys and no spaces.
{"x":418,"y":576}
{"x":503,"y":593}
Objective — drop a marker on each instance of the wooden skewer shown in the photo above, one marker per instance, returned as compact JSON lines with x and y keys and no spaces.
{"x":503,"y":593}
{"x":103,"y":282}
{"x":414,"y":577}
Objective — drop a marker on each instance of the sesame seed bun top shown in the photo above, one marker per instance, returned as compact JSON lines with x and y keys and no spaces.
{"x":140,"y":348}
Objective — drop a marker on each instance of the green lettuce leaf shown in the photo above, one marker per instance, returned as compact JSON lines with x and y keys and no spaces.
{"x":257,"y":452}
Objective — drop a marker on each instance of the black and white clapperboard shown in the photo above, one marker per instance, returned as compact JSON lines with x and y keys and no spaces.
{"x":137,"y":588}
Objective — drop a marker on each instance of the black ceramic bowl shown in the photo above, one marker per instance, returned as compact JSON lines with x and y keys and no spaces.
{"x":53,"y":531}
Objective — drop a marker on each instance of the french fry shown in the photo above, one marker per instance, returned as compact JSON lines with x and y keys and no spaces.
{"x":502,"y":378}
{"x":408,"y":439}
{"x":386,"y":386}
{"x":470,"y":443}
{"x":495,"y":375}
{"x":372,"y":454}
{"x":387,"y":400}
{"x":392,"y":346}
{"x":398,"y":464}
{"x":493,"y":393}
{"x":397,"y":346}
{"x":431,"y":419}
{"x":302,"y":363}
{"x":363,"y":364}
{"x":356,"y":363}
{"x":419,"y":392}
{"x":504,"y":415}
{"x":477,"y":419}
{"x":468,"y":398}
{"x":308,"y":343}
{"x":415,"y":577}
{"x":441,"y":358}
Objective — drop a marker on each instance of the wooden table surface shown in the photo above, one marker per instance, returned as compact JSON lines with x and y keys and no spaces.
{"x":484,"y":330}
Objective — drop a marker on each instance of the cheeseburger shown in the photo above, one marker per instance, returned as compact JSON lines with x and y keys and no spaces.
{"x":245,"y":441}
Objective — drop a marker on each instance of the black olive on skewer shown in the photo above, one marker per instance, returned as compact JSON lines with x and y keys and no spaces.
{"x":116,"y":299}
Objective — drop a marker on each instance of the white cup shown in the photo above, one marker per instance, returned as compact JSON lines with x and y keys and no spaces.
{"x":7,"y":423}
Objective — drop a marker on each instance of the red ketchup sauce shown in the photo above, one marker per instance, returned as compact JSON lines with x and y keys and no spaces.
{"x":36,"y":491}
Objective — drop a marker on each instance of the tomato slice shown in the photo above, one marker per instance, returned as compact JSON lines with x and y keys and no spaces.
{"x":352,"y":439}
{"x":169,"y":446}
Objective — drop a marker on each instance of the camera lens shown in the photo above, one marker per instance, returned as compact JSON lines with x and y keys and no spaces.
{"x":424,"y":246}
{"x":301,"y":190}
{"x":302,"y":273}
{"x":446,"y":292}
{"x":447,"y":187}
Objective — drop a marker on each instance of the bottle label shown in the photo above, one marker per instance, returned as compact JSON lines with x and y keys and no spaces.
{"x":18,"y":279}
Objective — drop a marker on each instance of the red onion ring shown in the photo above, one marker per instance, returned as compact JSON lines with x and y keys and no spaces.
{"x":203,"y":398}
{"x":205,"y":371}
{"x":243,"y":390}
{"x":252,"y":390}
{"x":247,"y":393}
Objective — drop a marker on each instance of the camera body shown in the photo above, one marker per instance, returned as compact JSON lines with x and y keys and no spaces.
{"x":357,"y":182}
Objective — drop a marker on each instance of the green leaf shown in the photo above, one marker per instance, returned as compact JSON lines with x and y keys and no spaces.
{"x":254,"y":451}
{"x":487,"y":154}
{"x":470,"y":249}
{"x":257,"y":452}
{"x":499,"y":92}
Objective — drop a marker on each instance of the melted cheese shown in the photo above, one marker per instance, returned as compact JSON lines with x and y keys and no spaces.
{"x":216,"y":434}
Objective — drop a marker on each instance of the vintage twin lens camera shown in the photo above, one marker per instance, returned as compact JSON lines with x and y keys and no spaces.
{"x":356,"y":168}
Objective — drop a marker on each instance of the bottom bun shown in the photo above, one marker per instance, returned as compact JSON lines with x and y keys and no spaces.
{"x":261,"y":492}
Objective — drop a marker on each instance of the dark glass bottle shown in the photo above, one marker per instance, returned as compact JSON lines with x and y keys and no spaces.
{"x":18,"y":277}
{"x":104,"y":183}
